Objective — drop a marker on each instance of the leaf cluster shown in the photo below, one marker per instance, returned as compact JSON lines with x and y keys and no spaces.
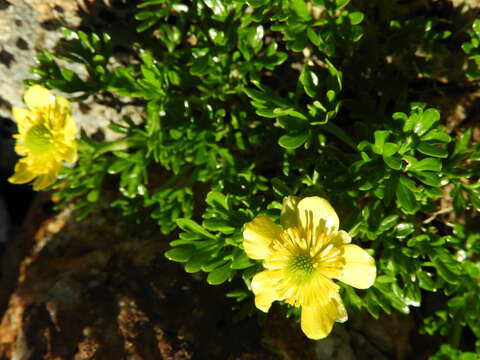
{"x":246,"y":102}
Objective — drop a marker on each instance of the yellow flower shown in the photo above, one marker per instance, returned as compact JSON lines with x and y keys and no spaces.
{"x":46,"y":138}
{"x":301,"y":258}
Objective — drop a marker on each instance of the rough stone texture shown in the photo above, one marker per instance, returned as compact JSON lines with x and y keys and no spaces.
{"x":466,"y":4}
{"x":24,"y":31}
{"x":28,"y":26}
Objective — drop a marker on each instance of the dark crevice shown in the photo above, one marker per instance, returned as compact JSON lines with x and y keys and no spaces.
{"x":21,"y":44}
{"x":4,"y":4}
{"x":6,"y":58}
{"x":51,"y":24}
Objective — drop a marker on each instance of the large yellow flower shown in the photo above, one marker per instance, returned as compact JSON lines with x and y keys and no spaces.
{"x":46,"y":138}
{"x":302,"y":257}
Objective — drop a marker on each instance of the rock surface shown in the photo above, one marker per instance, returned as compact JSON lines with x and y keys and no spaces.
{"x":29,"y":26}
{"x":97,"y":290}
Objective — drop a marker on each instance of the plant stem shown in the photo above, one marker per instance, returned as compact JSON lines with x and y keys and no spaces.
{"x":456,"y":333}
{"x":117,"y":145}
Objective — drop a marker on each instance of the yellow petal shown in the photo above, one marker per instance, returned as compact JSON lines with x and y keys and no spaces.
{"x":318,"y":291}
{"x":331,"y":262}
{"x":21,"y":149}
{"x":22,"y":174}
{"x":66,"y":151}
{"x":70,"y":130}
{"x":340,"y":238}
{"x":318,"y":211}
{"x":258,"y":235}
{"x":359,"y":270}
{"x":24,"y":118}
{"x":38,"y":96}
{"x":263,"y":286}
{"x":61,"y":119}
{"x":317,"y":320}
{"x":63,"y":105}
{"x":45,"y":180}
{"x":288,"y":216}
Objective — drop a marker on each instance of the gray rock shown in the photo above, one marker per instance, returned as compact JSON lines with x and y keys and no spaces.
{"x":27,"y":27}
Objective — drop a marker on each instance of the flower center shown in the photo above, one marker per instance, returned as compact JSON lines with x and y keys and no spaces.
{"x":301,"y":268}
{"x":38,"y":139}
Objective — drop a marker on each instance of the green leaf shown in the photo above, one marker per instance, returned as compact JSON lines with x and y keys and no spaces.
{"x":393,"y":162}
{"x":433,"y":192}
{"x":200,"y":66}
{"x":476,"y":27}
{"x":437,"y":134}
{"x":406,"y":197}
{"x":428,"y":178}
{"x":218,"y":225}
{"x":220,"y":275}
{"x":444,"y":271}
{"x":355,"y":17}
{"x":462,"y":143}
{"x":146,"y":3}
{"x":432,"y":149}
{"x":289,"y":111}
{"x":118,"y":166}
{"x":372,"y":306}
{"x":93,"y":195}
{"x":241,"y":262}
{"x":217,"y":200}
{"x":195,"y":263}
{"x":313,"y":36}
{"x":309,"y":80}
{"x":340,"y":4}
{"x":390,"y":148}
{"x":428,"y":164}
{"x":353,"y":298}
{"x":180,"y":253}
{"x":475,"y":199}
{"x":446,"y":264}
{"x":425,"y":281}
{"x":331,"y":95}
{"x":399,"y":116}
{"x":301,"y":9}
{"x":257,"y":3}
{"x":280,"y":187}
{"x":380,"y":137}
{"x":192,"y":226}
{"x":293,"y":140}
{"x":291,"y":124}
{"x":402,"y":230}
{"x":427,"y":119}
{"x":411,"y":122}
{"x":388,"y":223}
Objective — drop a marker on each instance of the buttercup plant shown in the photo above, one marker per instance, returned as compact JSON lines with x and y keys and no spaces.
{"x":246,"y":104}
{"x":302,"y":258}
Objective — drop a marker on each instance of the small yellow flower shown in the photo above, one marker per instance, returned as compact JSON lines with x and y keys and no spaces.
{"x":46,"y":138}
{"x":301,"y":258}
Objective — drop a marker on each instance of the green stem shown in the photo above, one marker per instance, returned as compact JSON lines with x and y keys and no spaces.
{"x":457,"y":332}
{"x":117,"y":145}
